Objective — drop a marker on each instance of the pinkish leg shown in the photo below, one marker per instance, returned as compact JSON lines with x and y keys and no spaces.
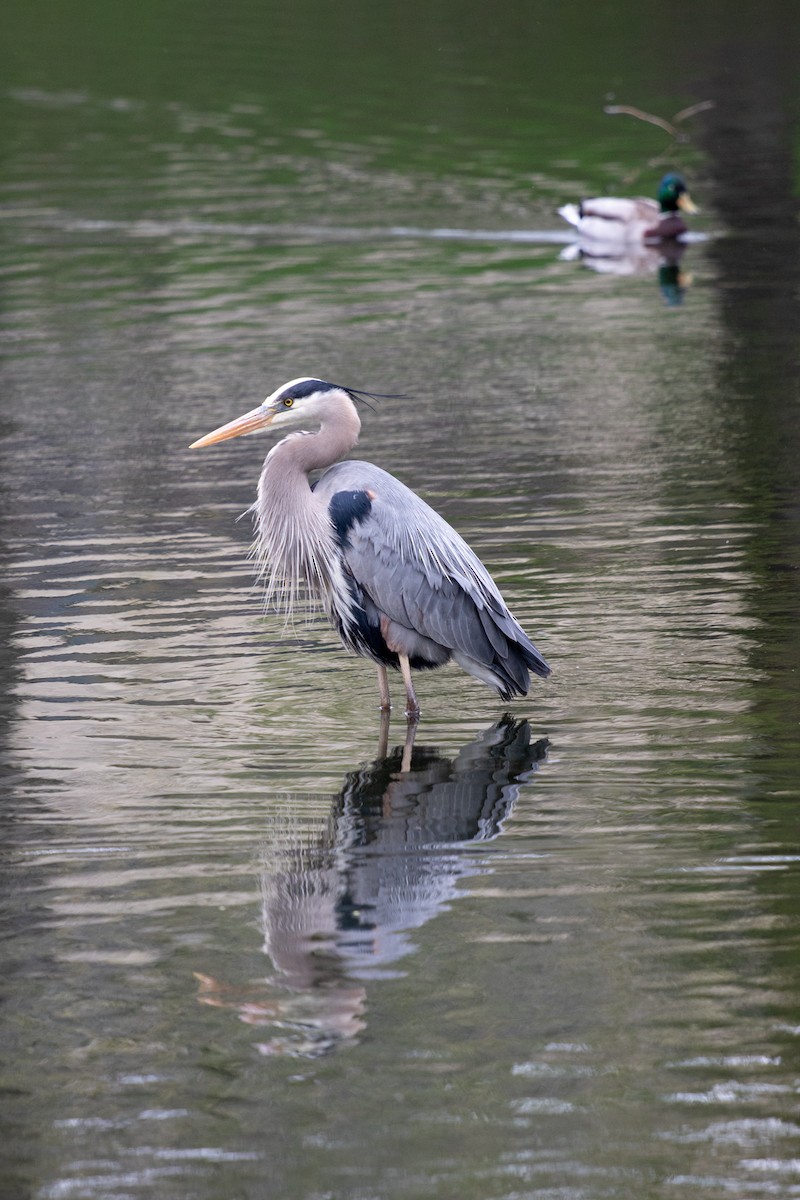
{"x":412,"y":704}
{"x":383,"y":684}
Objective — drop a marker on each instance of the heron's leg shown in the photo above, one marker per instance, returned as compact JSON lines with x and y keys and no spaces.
{"x":383,"y":684}
{"x":412,"y":704}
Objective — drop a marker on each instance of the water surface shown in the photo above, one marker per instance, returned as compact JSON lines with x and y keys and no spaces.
{"x":257,"y":943}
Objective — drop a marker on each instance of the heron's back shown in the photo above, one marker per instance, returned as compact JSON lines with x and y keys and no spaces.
{"x":424,"y":579}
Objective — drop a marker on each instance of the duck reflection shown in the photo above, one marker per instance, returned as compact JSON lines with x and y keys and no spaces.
{"x":338,"y":911}
{"x":663,"y":260}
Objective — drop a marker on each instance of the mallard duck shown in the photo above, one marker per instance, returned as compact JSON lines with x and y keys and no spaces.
{"x":609,"y":218}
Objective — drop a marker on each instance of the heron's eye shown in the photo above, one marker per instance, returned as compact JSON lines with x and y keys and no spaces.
{"x":288,"y":402}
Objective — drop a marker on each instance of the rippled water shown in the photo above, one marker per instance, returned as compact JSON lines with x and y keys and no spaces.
{"x":256,"y":941}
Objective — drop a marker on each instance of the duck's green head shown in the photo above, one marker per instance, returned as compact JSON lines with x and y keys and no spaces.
{"x":672,"y":194}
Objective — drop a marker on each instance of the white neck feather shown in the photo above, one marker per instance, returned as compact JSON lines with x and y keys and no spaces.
{"x":296,"y":550}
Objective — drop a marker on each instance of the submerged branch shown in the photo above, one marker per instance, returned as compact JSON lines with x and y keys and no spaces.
{"x":628,"y":109}
{"x":670,"y":127}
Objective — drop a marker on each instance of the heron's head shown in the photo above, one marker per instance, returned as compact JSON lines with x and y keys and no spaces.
{"x":301,"y":401}
{"x":673,"y":194}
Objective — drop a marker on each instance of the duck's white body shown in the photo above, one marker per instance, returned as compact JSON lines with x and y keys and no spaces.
{"x":617,"y":219}
{"x":612,"y":220}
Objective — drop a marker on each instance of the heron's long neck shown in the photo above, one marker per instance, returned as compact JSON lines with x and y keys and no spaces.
{"x":295,"y":545}
{"x":284,"y":478}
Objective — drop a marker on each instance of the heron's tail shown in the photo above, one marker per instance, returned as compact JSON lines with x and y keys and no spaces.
{"x":535,"y":662}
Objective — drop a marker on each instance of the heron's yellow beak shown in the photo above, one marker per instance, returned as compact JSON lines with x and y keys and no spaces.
{"x":686,"y":203}
{"x":251,"y":422}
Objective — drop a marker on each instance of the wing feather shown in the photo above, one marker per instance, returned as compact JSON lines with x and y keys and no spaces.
{"x":423,"y":576}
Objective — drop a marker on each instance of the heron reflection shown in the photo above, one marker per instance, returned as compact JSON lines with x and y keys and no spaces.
{"x":339,"y":910}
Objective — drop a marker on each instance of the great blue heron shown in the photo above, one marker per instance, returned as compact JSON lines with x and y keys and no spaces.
{"x":398,"y":584}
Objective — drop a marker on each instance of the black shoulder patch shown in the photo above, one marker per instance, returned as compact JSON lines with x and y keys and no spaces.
{"x":345,"y":509}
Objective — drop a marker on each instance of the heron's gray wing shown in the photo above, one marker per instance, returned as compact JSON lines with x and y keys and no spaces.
{"x":423,"y":576}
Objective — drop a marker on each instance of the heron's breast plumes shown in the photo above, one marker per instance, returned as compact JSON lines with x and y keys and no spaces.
{"x":295,"y":550}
